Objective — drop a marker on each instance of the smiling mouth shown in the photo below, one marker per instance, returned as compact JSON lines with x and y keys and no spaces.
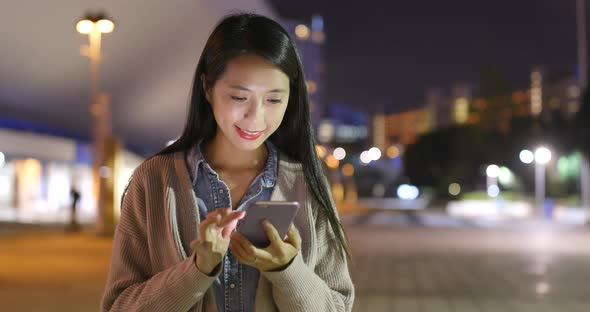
{"x":250,"y":132}
{"x":249,"y":135}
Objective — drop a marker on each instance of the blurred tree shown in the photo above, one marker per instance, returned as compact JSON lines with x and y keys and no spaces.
{"x":496,"y":90}
{"x":446,"y":156}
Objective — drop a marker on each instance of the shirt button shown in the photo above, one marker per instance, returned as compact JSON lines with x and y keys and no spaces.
{"x":220,"y":191}
{"x":232,"y":286}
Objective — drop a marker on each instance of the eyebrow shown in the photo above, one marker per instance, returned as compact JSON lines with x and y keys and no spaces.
{"x":246,"y":89}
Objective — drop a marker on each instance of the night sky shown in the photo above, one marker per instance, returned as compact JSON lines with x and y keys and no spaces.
{"x":384,"y":54}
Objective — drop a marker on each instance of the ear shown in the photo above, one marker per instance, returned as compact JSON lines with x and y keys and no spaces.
{"x":207,"y":92}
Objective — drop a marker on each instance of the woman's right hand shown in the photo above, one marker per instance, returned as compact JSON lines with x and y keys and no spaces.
{"x":214,"y":237}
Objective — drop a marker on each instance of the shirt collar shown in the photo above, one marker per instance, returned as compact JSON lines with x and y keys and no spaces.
{"x":269,"y":173}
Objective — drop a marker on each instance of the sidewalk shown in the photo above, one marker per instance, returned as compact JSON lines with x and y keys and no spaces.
{"x":405,"y":268}
{"x":45,"y":269}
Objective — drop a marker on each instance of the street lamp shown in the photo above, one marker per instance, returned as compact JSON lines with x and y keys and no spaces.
{"x":104,"y":146}
{"x":94,"y":25}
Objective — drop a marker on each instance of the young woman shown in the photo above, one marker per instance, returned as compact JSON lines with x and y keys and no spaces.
{"x":248,"y":138}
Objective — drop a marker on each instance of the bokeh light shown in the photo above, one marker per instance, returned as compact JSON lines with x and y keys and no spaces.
{"x":321,"y":151}
{"x":339,"y":153}
{"x":365,"y":158}
{"x":493,"y":171}
{"x":393,"y":151}
{"x":332,"y":162}
{"x":542,"y":155}
{"x":302,"y":32}
{"x":374,"y":153}
{"x":454,"y":189}
{"x":526,"y":156}
{"x":408,"y":192}
{"x":348,"y":170}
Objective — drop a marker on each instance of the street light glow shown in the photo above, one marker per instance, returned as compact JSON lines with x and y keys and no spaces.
{"x":526,"y":156}
{"x":105,"y":26}
{"x":408,"y":192}
{"x":542,"y":155}
{"x":85,"y":26}
{"x":493,"y":171}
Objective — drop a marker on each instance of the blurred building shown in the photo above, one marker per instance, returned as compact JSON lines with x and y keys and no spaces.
{"x":546,"y":95}
{"x":439,"y":111}
{"x":405,"y":127}
{"x":310,"y":39}
{"x":38,"y":170}
{"x":562,"y":94}
{"x":468,"y":104}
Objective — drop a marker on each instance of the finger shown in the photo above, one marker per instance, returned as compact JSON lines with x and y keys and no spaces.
{"x":272,"y":233}
{"x":217,"y":219}
{"x":293,"y":237}
{"x":210,"y":218}
{"x":244,"y":243}
{"x":205,"y":226}
{"x":231,"y":224}
{"x":237,"y":250}
{"x":212,"y":214}
{"x":208,"y":228}
{"x":223,"y":212}
{"x":231,"y":217}
{"x":245,"y":256}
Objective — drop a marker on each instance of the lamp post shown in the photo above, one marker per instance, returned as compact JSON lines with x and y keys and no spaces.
{"x":542,"y":157}
{"x":104,"y":147}
{"x":583,"y":81}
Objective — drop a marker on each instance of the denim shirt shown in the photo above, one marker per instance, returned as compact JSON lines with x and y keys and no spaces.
{"x":235,"y":288}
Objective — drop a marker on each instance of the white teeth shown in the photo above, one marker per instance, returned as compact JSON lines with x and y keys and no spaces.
{"x":251,"y":133}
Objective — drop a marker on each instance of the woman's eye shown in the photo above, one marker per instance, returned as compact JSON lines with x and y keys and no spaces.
{"x":237,"y":98}
{"x":275,"y":101}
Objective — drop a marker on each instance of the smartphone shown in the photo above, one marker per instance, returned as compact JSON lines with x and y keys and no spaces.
{"x":279,"y":213}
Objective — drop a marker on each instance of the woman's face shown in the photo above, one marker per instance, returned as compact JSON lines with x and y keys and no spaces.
{"x":249,"y":101}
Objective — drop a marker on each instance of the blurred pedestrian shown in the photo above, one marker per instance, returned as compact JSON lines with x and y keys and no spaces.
{"x":73,"y":225}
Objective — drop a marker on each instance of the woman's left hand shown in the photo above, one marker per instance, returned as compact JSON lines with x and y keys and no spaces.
{"x":275,"y":257}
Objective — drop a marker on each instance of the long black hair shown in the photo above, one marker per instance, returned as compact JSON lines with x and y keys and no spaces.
{"x":246,"y":33}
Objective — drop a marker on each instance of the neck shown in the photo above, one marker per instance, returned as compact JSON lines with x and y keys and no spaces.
{"x":222,"y":155}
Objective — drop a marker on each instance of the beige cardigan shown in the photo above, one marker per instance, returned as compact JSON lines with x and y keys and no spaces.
{"x":150,"y":270}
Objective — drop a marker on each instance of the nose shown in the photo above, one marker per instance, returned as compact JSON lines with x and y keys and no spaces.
{"x":254,"y":112}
